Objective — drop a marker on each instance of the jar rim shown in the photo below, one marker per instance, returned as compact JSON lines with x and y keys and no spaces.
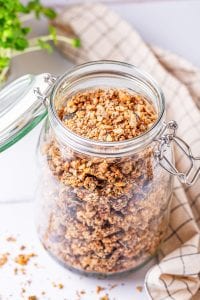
{"x":86,"y":145}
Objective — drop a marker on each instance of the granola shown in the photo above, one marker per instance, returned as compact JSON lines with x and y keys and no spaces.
{"x":108,"y":114}
{"x":23,"y":259}
{"x":3,"y":259}
{"x":99,"y":214}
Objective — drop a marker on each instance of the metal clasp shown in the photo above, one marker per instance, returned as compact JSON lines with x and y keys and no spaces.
{"x":165,"y":140}
{"x":43,"y":96}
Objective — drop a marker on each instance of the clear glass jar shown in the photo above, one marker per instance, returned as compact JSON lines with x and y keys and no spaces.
{"x":103,"y":207}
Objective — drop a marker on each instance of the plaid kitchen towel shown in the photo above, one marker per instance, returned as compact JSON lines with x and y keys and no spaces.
{"x":104,"y":35}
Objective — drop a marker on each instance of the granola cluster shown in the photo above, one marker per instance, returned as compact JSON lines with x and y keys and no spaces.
{"x":103,"y":215}
{"x":108,"y":114}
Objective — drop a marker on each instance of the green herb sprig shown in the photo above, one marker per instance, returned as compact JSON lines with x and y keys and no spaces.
{"x":14,"y":34}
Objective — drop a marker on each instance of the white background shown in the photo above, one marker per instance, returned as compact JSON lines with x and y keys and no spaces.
{"x":173,"y":25}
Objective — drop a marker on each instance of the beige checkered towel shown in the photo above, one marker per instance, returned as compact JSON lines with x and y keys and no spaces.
{"x":104,"y":35}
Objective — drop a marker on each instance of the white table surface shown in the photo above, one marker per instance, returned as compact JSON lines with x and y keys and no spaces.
{"x":173,"y":25}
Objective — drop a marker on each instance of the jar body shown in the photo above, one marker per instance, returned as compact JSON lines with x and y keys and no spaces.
{"x":102,"y":207}
{"x":101,"y":215}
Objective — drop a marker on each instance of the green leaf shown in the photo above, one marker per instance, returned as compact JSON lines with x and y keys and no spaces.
{"x":13,"y":34}
{"x":76,"y":43}
{"x":49,"y":13}
{"x":4,"y":62}
{"x":26,"y":30}
{"x":45,"y":45}
{"x":52,"y":31}
{"x":35,"y":7}
{"x":21,"y":44}
{"x":7,"y":33}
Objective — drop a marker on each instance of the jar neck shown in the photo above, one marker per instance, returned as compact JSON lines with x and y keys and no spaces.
{"x":105,"y":74}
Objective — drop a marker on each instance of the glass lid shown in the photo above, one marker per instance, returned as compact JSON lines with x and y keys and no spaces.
{"x":20,"y":108}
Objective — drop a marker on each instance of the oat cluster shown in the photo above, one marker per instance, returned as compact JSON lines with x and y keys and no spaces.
{"x":108,"y":114}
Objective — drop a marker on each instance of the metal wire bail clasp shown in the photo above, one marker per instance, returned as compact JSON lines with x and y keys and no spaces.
{"x":49,"y":81}
{"x":167,"y":138}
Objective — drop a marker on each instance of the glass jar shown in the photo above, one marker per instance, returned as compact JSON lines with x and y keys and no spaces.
{"x":102,"y":207}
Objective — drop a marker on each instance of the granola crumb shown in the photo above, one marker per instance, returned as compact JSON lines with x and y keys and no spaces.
{"x":11,"y":239}
{"x":105,"y":297}
{"x":82,"y":292}
{"x":23,"y":259}
{"x":59,"y":285}
{"x":113,"y":286}
{"x":21,"y":271}
{"x":139,"y":288}
{"x":99,"y":289}
{"x":32,"y":298}
{"x":3,"y":259}
{"x":78,"y":294}
{"x":22,"y":247}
